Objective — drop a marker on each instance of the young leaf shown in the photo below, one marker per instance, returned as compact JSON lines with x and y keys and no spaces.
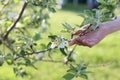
{"x":84,"y":76}
{"x":72,"y":69}
{"x":63,"y":51}
{"x":68,"y":26}
{"x":95,"y":26}
{"x":68,"y":76}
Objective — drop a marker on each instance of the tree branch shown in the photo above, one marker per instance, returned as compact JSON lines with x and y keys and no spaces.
{"x":45,"y":50}
{"x":38,"y":52}
{"x":53,"y":61}
{"x":14,"y":23}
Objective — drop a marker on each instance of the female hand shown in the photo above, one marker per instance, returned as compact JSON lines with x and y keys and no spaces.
{"x":89,"y":39}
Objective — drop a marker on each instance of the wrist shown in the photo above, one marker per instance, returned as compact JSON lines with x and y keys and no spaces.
{"x":111,"y":26}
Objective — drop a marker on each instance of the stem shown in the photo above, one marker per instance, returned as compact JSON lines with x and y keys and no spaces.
{"x":71,"y":52}
{"x":43,"y":51}
{"x":38,"y":52}
{"x":54,"y":61}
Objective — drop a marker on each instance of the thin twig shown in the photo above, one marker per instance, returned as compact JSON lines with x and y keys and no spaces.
{"x":38,"y":52}
{"x":53,"y":61}
{"x":45,"y":50}
{"x":16,"y":21}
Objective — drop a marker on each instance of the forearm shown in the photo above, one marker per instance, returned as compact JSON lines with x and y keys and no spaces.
{"x":111,"y":26}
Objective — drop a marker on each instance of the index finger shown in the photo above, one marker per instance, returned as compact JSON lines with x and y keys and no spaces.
{"x":82,"y":29}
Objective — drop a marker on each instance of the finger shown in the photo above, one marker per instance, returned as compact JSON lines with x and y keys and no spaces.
{"x":86,"y":26}
{"x":72,"y":42}
{"x":77,"y":32}
{"x":82,"y":29}
{"x":84,"y":42}
{"x":77,"y":40}
{"x":80,"y":41}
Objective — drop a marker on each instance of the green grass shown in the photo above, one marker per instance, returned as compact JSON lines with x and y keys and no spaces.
{"x":107,"y":51}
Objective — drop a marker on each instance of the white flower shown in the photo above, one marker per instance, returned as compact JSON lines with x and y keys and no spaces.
{"x":53,"y":45}
{"x":43,"y":24}
{"x":62,"y":44}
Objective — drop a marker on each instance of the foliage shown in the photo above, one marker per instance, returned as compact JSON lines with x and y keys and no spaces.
{"x":79,"y":70}
{"x":105,"y":12}
{"x":22,"y":44}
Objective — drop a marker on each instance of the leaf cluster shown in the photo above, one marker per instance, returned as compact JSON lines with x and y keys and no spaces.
{"x":105,"y":12}
{"x":78,"y":70}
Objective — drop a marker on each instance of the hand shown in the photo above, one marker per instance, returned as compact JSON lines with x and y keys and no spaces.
{"x":89,"y":39}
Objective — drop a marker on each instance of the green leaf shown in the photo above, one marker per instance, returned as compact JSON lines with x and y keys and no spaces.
{"x":84,"y":76}
{"x":21,"y":72}
{"x":72,"y":69}
{"x":88,"y":13}
{"x":51,"y":9}
{"x":63,"y":51}
{"x":52,"y":37}
{"x":15,"y":69}
{"x":9,"y":59}
{"x":49,"y":44}
{"x":85,"y":71}
{"x":22,"y":52}
{"x":28,"y":40}
{"x":95,"y":25}
{"x":0,"y":52}
{"x":37,"y":36}
{"x":80,"y":66}
{"x":68,"y":26}
{"x":27,"y":62}
{"x":68,"y":76}
{"x":82,"y":15}
{"x":27,"y":19}
{"x":1,"y":60}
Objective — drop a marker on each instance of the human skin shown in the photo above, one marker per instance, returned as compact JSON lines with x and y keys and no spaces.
{"x":95,"y":36}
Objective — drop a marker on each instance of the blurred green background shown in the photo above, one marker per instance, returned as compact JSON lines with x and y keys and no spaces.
{"x":104,"y":58}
